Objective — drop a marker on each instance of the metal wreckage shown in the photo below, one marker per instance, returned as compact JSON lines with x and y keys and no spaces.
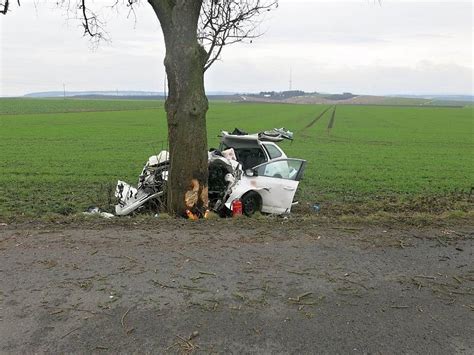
{"x":248,"y":172}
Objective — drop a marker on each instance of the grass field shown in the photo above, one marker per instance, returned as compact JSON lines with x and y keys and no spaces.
{"x":17,"y":106}
{"x":54,"y":160}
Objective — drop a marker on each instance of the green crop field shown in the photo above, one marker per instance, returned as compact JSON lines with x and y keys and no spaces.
{"x":56,"y":161}
{"x":33,"y":106}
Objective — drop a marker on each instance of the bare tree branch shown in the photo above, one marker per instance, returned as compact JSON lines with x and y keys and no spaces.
{"x":225,"y":22}
{"x":91,"y":17}
{"x":5,"y":6}
{"x":221,"y":22}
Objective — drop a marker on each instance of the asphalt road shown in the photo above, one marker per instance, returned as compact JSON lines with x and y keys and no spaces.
{"x":226,"y":287}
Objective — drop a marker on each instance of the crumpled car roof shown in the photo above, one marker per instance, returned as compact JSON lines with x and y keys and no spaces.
{"x":247,"y":141}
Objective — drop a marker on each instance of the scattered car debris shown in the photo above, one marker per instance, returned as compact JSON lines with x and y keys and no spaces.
{"x":96,"y":211}
{"x":150,"y":185}
{"x":274,"y":135}
{"x":249,"y":173}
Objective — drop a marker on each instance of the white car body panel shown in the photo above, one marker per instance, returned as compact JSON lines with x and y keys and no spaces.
{"x":276,"y":183}
{"x":277,"y":194}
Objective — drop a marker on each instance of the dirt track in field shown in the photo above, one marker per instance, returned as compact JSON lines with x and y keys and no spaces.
{"x":278,"y":287}
{"x":315,"y":120}
{"x":332,"y":119}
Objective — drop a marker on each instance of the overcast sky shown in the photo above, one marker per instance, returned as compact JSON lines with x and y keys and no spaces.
{"x":400,"y":47}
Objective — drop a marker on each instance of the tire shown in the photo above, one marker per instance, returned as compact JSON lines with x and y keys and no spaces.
{"x":251,"y":203}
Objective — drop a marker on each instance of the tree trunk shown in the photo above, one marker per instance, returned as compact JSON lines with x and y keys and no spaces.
{"x":186,"y":106}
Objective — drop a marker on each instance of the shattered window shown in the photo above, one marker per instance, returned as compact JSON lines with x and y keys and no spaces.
{"x":250,"y":157}
{"x":273,"y":151}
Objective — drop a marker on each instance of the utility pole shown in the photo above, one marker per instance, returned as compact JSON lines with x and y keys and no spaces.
{"x":64,"y":91}
{"x":291,"y":78}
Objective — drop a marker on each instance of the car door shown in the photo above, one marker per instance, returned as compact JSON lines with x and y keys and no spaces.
{"x":277,"y":182}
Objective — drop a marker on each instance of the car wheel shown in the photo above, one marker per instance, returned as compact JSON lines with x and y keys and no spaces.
{"x":251,"y":203}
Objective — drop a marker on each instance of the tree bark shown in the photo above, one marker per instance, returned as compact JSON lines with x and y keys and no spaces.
{"x":186,"y":105}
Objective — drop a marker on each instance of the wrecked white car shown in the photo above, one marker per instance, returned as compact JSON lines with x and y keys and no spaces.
{"x":256,"y":172}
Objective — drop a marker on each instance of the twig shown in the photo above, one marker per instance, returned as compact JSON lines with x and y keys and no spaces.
{"x":239,"y":296}
{"x":306,"y":294}
{"x":355,"y":283}
{"x":451,"y":301}
{"x":417,"y":283}
{"x":122,"y":321}
{"x":181,"y":338}
{"x":299,"y":299}
{"x":186,"y":344}
{"x":196,"y":278}
{"x":162,"y":284}
{"x":207,"y":273}
{"x":457,"y":279}
{"x":71,"y":331}
{"x":425,"y":277}
{"x":302,"y":273}
{"x":171,"y":346}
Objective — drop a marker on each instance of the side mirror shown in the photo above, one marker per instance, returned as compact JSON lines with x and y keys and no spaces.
{"x":250,"y":172}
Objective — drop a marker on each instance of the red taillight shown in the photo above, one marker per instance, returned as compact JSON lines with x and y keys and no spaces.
{"x":236,"y":208}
